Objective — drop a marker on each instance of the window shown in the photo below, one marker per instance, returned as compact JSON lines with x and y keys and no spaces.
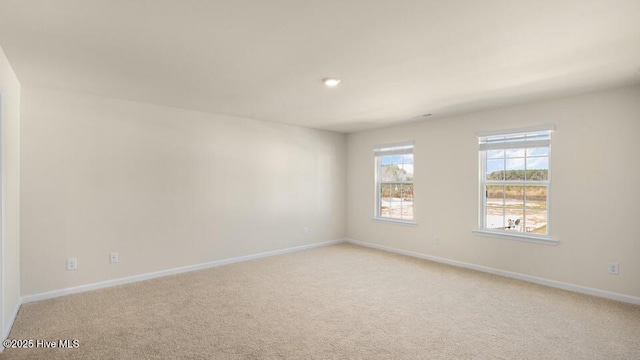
{"x":515,"y":181}
{"x":394,"y":182}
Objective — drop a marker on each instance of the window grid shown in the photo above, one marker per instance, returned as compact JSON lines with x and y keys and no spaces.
{"x":394,"y":182}
{"x":516,"y":154}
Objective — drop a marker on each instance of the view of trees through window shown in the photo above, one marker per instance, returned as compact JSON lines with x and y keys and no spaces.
{"x":516,"y":187}
{"x":395,"y":178}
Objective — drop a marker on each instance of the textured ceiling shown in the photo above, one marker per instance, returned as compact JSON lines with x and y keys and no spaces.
{"x":266,"y":59}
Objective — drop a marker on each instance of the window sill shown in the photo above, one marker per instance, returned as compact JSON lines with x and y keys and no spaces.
{"x":539,"y":239}
{"x":395,"y":222}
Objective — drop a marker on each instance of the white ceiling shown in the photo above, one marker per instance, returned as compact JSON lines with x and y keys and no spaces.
{"x":266,"y":59}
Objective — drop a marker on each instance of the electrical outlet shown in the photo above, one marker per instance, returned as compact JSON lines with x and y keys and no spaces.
{"x":614,"y":268}
{"x":72,"y":264}
{"x":437,"y":240}
{"x":113,"y":257}
{"x":305,"y":231}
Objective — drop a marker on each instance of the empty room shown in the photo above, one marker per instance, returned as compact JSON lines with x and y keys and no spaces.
{"x":319,"y":179}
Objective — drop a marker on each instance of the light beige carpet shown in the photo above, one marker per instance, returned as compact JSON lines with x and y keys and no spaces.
{"x":337,"y":302}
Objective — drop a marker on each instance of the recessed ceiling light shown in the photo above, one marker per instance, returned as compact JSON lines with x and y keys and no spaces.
{"x":331,"y":82}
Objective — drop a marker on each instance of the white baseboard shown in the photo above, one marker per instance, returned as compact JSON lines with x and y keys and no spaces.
{"x":533,"y":279}
{"x":157,"y":274}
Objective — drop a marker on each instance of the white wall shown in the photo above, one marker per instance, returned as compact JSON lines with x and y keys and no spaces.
{"x":595,"y":194}
{"x":10,"y":140}
{"x":165,"y":187}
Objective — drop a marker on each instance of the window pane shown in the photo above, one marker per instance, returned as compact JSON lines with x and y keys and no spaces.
{"x":515,"y":169}
{"x":538,"y":168}
{"x":495,"y":154}
{"x":520,"y":202}
{"x":407,"y":212}
{"x":514,"y":219}
{"x":515,"y":153}
{"x":408,"y":172}
{"x":405,"y":172}
{"x":385,"y":198}
{"x":401,"y":173}
{"x":536,"y":193}
{"x":391,"y":159}
{"x":391,"y":200}
{"x":536,"y":222}
{"x":543,"y":151}
{"x":396,"y":168}
{"x":407,"y":159}
{"x":395,"y":209}
{"x":407,"y":192}
{"x":384,"y":210}
{"x":395,"y":159}
{"x":397,"y":201}
{"x":495,"y":169}
{"x":495,"y":195}
{"x":536,"y":209}
{"x":407,"y":201}
{"x":407,"y":167}
{"x":494,"y":217}
{"x":390,"y":172}
{"x":514,"y":197}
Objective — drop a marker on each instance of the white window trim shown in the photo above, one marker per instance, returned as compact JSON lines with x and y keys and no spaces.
{"x":540,"y":239}
{"x":546,"y":127}
{"x":395,"y":221}
{"x":376,"y":153}
{"x":527,"y":237}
